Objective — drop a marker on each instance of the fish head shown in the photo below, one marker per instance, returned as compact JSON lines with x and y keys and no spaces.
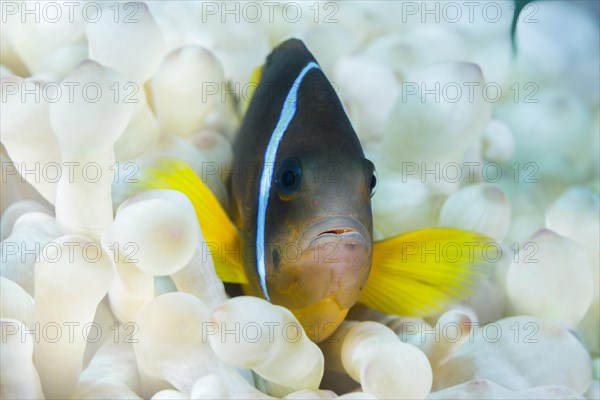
{"x":319,"y":223}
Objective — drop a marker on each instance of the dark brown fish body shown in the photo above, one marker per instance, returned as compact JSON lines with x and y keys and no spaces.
{"x":300,"y":193}
{"x":300,"y":206}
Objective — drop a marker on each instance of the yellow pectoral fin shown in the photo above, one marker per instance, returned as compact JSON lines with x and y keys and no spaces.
{"x":420,"y":273}
{"x":222,"y":237}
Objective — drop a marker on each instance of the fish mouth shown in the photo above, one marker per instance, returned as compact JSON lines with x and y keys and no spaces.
{"x":332,"y":262}
{"x":338,"y":229}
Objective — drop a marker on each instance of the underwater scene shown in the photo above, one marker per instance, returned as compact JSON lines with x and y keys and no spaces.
{"x":300,"y":199}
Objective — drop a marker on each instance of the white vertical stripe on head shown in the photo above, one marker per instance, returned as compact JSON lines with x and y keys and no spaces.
{"x":287,"y":113}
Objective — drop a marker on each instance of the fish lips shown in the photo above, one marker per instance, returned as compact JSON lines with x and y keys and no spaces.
{"x":333,"y":262}
{"x":339,"y":229}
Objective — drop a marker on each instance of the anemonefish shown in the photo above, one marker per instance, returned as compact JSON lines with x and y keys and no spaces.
{"x":299,"y":231}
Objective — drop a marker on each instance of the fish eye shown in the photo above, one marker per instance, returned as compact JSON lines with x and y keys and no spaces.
{"x":373,"y":184}
{"x":289,"y":178}
{"x":371,"y":176}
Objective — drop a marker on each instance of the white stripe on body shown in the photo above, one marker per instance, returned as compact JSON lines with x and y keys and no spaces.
{"x":287,"y":113}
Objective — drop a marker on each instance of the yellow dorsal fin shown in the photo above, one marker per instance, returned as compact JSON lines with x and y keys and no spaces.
{"x":221,"y":235}
{"x":253,"y":84}
{"x":420,"y":273}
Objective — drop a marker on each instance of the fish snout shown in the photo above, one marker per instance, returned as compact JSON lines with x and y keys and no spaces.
{"x":321,"y":284}
{"x":343,"y":230}
{"x":336,"y":260}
